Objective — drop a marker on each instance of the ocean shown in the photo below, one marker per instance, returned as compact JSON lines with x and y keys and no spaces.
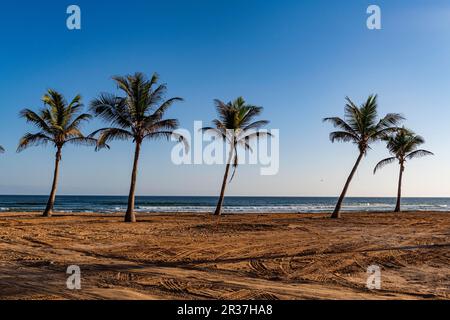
{"x":109,"y":204}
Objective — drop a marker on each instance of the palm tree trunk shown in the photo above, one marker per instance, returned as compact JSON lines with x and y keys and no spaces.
{"x":399,"y":192}
{"x":337,"y":211}
{"x":130,"y":215}
{"x":218,"y":211}
{"x":51,"y":200}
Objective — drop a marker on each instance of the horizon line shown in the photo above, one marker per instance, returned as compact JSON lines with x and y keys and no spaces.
{"x":212,"y":196}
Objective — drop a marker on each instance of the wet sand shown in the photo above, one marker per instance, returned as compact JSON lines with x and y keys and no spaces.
{"x":248,"y":256}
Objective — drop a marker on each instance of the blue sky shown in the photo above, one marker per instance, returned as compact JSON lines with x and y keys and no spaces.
{"x":297,"y":59}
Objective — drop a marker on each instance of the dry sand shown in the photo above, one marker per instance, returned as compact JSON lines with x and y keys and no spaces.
{"x":277,"y":256}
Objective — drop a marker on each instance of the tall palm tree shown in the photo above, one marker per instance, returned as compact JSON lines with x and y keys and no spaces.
{"x":136,"y":116}
{"x":236,"y":126}
{"x":403,"y":146}
{"x":361,"y":127}
{"x":59,"y":124}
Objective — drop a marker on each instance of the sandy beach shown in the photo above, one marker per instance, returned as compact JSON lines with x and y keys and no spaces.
{"x":196,"y":256}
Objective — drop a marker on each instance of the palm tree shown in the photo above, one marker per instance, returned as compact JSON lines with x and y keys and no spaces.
{"x":137,"y":116}
{"x":361,"y":127}
{"x":59,"y":124}
{"x":236,"y":127}
{"x":403,"y":146}
{"x":2,"y":149}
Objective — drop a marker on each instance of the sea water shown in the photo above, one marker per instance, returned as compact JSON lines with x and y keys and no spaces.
{"x":109,"y":204}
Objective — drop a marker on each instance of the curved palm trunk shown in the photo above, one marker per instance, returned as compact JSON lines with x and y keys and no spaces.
{"x":337,"y":211}
{"x":51,"y":200}
{"x":218,"y":211}
{"x":130,"y":215}
{"x":399,"y":192}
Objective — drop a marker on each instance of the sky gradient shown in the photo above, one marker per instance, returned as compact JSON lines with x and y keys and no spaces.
{"x":297,"y":59}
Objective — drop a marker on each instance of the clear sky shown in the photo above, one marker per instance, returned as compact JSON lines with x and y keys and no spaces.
{"x":297,"y":59}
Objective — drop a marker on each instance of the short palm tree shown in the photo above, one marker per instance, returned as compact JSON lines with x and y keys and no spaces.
{"x":236,"y":126}
{"x":136,"y":116}
{"x":59,"y":124}
{"x":361,"y":127}
{"x":403,"y":146}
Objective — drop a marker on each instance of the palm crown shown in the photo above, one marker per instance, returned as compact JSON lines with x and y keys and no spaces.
{"x":361,"y":125}
{"x":138,"y":115}
{"x":403,"y":146}
{"x":59,"y":123}
{"x":236,"y":125}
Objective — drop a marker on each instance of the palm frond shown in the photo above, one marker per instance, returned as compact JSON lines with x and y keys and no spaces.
{"x":83,"y":141}
{"x":57,"y":108}
{"x":253,"y":135}
{"x":74,"y":107}
{"x":341,"y":124}
{"x":418,"y":154}
{"x":32,"y":117}
{"x":106,"y":135}
{"x":78,"y":120}
{"x":391,"y":119}
{"x":169,"y":124}
{"x":220,"y":125}
{"x":153,"y":98}
{"x":354,"y":116}
{"x":383,"y":163}
{"x":215,"y":132}
{"x":30,"y":139}
{"x":256,"y":125}
{"x":123,"y":84}
{"x":381,"y":134}
{"x":247,"y":113}
{"x":112,"y":109}
{"x":168,"y":135}
{"x":343,"y":136}
{"x":166,"y":105}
